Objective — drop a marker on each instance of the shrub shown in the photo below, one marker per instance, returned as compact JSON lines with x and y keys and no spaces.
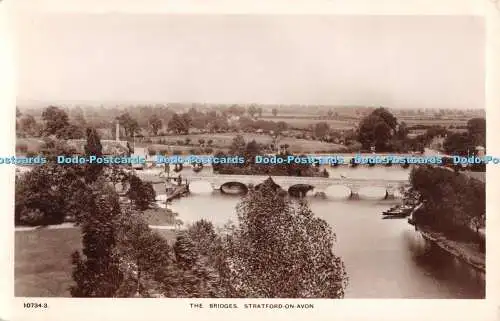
{"x":31,"y":217}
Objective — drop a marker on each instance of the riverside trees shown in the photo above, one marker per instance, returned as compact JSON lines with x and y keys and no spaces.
{"x":454,"y":204}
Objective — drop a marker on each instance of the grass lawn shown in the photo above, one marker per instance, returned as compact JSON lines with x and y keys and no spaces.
{"x":477,"y":175}
{"x":43,"y":260}
{"x":159,"y":216}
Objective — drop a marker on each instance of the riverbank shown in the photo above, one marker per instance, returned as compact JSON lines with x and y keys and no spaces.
{"x":466,"y":252}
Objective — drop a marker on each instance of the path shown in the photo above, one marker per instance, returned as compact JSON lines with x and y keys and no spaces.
{"x":72,"y":225}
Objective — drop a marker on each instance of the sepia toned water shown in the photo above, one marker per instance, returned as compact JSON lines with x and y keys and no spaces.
{"x":383,"y":258}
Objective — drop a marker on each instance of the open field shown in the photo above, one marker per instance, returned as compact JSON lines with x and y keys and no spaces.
{"x":225,"y":140}
{"x":304,"y":123}
{"x":411,"y":121}
{"x":43,"y":261}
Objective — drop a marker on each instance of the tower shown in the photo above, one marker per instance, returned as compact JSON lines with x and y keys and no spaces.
{"x":117,"y":133}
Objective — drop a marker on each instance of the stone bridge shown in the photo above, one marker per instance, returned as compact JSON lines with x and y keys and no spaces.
{"x":319,"y":184}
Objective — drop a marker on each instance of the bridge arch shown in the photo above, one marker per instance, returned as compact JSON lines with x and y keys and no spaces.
{"x":200,"y":187}
{"x":234,"y":188}
{"x":372,"y":192}
{"x":340,"y":192}
{"x":299,"y":190}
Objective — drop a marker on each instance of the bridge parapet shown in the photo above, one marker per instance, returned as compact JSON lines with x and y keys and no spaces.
{"x":319,"y":183}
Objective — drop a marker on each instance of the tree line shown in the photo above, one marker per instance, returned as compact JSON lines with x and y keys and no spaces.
{"x":239,"y":147}
{"x":381,"y":131}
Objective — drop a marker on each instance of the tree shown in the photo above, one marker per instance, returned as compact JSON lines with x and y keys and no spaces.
{"x":237,"y":145}
{"x":279,"y":249}
{"x":236,"y":110}
{"x":321,"y":129}
{"x":142,"y":194}
{"x":130,"y":125}
{"x":374,"y":131}
{"x":79,"y":118}
{"x":29,"y":125}
{"x":435,"y":131}
{"x":453,"y":203}
{"x":402,"y":131}
{"x":252,"y":110}
{"x":459,"y":144}
{"x":198,"y":278}
{"x":155,"y":124}
{"x":146,"y":256}
{"x":97,"y":272}
{"x":180,"y":123}
{"x":251,"y":151}
{"x":259,"y":111}
{"x":45,"y":195}
{"x":275,"y":112}
{"x":93,"y":147}
{"x":56,"y":120}
{"x":377,"y":129}
{"x":387,"y":116}
{"x":477,"y":130}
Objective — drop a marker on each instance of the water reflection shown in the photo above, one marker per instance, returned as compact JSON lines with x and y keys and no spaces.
{"x":458,"y":277}
{"x":372,"y":193}
{"x":200,"y":187}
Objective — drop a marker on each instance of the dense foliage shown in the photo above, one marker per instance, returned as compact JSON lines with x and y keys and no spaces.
{"x":454,"y":204}
{"x":140,"y":193}
{"x":465,"y":143}
{"x":252,"y":149}
{"x":97,"y":272}
{"x":280,"y":250}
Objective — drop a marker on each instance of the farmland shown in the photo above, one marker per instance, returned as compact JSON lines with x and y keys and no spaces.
{"x":223,"y":141}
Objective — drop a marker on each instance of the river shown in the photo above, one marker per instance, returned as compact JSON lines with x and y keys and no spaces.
{"x":383,"y":258}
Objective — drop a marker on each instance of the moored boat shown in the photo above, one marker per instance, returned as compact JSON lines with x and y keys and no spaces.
{"x":399,"y":211}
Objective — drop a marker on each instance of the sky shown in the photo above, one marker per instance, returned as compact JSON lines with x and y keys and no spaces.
{"x":393,"y":61}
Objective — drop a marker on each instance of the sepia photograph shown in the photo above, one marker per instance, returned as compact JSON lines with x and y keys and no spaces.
{"x":250,"y":156}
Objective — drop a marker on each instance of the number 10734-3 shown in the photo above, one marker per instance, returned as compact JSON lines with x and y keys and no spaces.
{"x":33,"y":305}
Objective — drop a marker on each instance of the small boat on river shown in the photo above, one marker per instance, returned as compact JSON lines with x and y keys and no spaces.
{"x":399,"y":211}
